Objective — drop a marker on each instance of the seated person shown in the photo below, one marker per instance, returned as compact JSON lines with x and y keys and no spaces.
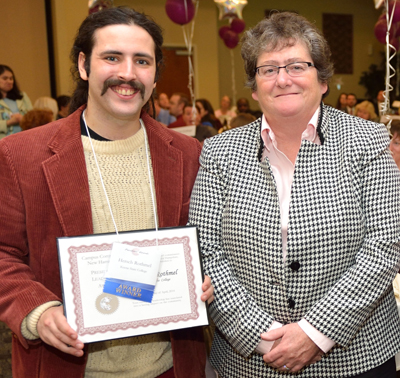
{"x":35,"y":118}
{"x":163,"y":100}
{"x":351,"y":104}
{"x":204,"y":132}
{"x":48,"y":103}
{"x":177,"y":102}
{"x":13,"y":103}
{"x":365,"y":110}
{"x":225,"y":113}
{"x":162,"y":115}
{"x":207,"y":114}
{"x":243,"y":106}
{"x":240,"y":120}
{"x":341,"y":103}
{"x":191,"y":116}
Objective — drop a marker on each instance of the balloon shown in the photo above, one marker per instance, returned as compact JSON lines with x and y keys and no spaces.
{"x":382,"y":17}
{"x":395,"y":43}
{"x":396,"y":15}
{"x":223,"y":30}
{"x":230,"y":8}
{"x":393,"y":30}
{"x":180,"y":11}
{"x":380,"y":30}
{"x":231,"y":39}
{"x":238,"y":25}
{"x":397,"y":34}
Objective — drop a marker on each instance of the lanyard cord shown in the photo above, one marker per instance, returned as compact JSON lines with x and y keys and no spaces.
{"x":102,"y":182}
{"x":150,"y":181}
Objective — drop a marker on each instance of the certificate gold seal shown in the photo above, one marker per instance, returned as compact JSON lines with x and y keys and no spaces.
{"x":107,"y":303}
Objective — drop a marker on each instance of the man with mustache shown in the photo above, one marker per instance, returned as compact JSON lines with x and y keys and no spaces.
{"x":51,"y":187}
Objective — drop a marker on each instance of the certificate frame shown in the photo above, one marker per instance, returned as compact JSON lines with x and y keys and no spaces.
{"x":98,"y":316}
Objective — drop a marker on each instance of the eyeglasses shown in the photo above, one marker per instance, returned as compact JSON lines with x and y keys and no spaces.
{"x":292,"y":69}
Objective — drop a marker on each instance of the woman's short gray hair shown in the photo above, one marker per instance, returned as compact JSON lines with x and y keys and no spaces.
{"x":281,"y":30}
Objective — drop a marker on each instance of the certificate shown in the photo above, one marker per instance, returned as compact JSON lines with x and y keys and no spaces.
{"x":96,"y":315}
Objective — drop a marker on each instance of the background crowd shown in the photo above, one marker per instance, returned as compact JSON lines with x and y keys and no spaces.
{"x":17,"y":112}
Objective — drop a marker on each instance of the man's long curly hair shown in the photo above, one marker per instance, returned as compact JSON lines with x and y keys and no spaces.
{"x":84,"y":43}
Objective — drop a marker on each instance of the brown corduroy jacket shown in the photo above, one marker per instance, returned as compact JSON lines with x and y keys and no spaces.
{"x":45,"y":195}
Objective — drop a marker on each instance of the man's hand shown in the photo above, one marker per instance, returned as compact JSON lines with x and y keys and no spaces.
{"x":294,"y":351}
{"x":54,"y":330}
{"x":208,"y":290}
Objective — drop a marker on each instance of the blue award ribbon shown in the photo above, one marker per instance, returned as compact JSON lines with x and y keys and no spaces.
{"x":129,"y":289}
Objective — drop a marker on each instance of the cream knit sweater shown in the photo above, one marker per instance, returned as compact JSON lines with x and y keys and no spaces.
{"x":123,"y":166}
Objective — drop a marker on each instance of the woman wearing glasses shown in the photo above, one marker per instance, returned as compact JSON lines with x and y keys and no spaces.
{"x":299,"y":221}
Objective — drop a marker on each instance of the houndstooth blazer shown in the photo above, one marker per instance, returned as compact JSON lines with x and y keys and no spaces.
{"x":343,"y":246}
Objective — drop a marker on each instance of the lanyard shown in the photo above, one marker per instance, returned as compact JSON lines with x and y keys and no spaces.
{"x":102,"y":182}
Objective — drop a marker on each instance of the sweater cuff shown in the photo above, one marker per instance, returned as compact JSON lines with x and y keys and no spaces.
{"x":29,"y":324}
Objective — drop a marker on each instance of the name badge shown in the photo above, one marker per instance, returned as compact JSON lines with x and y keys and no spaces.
{"x":132,"y":272}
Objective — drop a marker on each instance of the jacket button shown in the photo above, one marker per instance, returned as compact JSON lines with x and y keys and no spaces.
{"x":291,"y":303}
{"x":295,"y":265}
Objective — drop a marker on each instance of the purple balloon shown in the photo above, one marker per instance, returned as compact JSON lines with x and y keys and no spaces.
{"x":222,"y":30}
{"x":238,"y":25}
{"x":178,"y":12}
{"x":395,"y":43}
{"x":380,"y":30}
{"x":231,"y":39}
{"x":396,"y":15}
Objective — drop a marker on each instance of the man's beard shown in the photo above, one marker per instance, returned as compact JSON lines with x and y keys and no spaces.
{"x":135,"y":85}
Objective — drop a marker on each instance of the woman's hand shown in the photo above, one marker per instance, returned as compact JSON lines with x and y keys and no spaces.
{"x":15,"y":119}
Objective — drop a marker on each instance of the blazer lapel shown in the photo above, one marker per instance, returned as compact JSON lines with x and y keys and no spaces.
{"x":167,"y":172}
{"x":66,"y":176}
